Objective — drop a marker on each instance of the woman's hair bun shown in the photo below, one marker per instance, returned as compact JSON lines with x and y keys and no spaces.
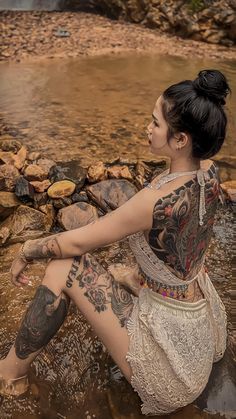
{"x":213,"y":85}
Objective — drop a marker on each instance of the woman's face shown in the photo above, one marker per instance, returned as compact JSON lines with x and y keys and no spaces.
{"x":157,"y":132}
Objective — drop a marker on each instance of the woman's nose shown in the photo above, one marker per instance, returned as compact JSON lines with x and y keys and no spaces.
{"x":149,"y":128}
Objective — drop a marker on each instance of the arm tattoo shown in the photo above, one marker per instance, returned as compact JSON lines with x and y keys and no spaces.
{"x":47,"y":247}
{"x":101,"y":289}
{"x":42,"y":320}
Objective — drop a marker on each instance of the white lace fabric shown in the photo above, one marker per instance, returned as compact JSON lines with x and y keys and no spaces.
{"x":173,"y":345}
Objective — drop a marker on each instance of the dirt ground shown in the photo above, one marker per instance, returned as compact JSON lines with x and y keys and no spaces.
{"x":34,"y":35}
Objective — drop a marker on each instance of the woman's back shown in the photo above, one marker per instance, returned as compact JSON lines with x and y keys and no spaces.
{"x":176,"y":236}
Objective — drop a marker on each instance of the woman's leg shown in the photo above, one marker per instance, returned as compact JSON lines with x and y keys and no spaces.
{"x":105,"y":304}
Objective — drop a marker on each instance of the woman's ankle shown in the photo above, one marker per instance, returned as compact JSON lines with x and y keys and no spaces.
{"x":8,"y":371}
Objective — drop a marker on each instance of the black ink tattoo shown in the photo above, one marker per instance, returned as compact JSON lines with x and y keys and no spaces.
{"x":42,"y":320}
{"x":101,"y":289}
{"x":73,"y":271}
{"x":47,"y":247}
{"x":176,"y":237}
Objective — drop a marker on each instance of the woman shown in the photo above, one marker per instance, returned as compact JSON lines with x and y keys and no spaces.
{"x":165,"y":336}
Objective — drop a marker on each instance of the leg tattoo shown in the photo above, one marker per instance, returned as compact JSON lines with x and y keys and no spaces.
{"x":101,"y":289}
{"x":42,"y":320}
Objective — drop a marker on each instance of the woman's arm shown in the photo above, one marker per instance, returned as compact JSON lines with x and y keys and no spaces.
{"x":135,"y":215}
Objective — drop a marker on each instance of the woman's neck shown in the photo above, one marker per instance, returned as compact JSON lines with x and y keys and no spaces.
{"x":184,"y":165}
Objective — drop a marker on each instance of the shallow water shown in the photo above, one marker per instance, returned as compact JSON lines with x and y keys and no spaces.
{"x":98,"y":107}
{"x":91,"y":109}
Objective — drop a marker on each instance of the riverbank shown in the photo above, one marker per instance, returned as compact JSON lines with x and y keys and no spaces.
{"x":36,"y":35}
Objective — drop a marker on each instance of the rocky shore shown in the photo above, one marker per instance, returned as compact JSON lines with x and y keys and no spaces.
{"x":36,"y":35}
{"x":39,"y":195}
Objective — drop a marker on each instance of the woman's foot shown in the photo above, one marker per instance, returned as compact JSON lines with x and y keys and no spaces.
{"x":12,"y":383}
{"x":14,"y":386}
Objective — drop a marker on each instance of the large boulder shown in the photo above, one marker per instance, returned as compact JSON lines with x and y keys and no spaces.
{"x":76,"y":215}
{"x":111,"y":194}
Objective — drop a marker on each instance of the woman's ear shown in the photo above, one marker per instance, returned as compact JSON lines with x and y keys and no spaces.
{"x":182,"y":139}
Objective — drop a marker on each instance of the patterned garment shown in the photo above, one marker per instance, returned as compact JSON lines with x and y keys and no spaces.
{"x":173,"y":345}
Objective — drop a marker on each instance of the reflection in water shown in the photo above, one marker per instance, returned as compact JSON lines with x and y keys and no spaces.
{"x":98,"y":106}
{"x":90,"y":109}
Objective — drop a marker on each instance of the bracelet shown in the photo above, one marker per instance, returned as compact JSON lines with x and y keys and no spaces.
{"x":22,"y":255}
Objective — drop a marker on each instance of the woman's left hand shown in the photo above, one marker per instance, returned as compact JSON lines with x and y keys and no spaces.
{"x":16,"y":271}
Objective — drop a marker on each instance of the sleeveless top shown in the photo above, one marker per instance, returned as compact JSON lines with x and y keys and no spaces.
{"x":150,"y":265}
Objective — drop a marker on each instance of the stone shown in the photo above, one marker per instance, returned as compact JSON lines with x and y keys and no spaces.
{"x":7,"y":157}
{"x":69,"y":171}
{"x":4,"y":235}
{"x":40,"y":186}
{"x":11,"y":145}
{"x":26,"y":223}
{"x":76,"y":215}
{"x":20,"y":157}
{"x":97,"y":172}
{"x":62,"y":202}
{"x":229,"y":189}
{"x":35,"y":172}
{"x":23,"y":189}
{"x":8,"y":203}
{"x":8,"y":177}
{"x":111,"y":194}
{"x":214,"y":36}
{"x":79,"y":197}
{"x":119,"y":172}
{"x":40,"y":199}
{"x":34,"y":155}
{"x":49,"y":211}
{"x":61,"y":189}
{"x":46,"y":164}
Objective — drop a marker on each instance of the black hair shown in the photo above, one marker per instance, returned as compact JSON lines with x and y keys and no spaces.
{"x":196,"y":107}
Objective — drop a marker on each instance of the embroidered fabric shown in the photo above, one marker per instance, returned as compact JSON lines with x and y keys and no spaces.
{"x":173,"y":345}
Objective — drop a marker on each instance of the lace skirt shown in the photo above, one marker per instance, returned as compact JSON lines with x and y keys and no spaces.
{"x":173,"y":345}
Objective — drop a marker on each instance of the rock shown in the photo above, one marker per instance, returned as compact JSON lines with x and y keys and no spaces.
{"x":46,"y":165}
{"x":119,"y":172}
{"x":40,"y":199}
{"x":7,"y":157}
{"x":111,"y":194}
{"x":4,"y":235}
{"x":20,"y":157}
{"x":49,"y":211}
{"x":26,"y":223}
{"x":214,"y":36}
{"x":23,"y":189}
{"x":35,"y":172}
{"x":11,"y":145}
{"x":61,"y":189}
{"x":40,"y":186}
{"x":8,"y":177}
{"x":97,"y":172}
{"x":76,"y":215}
{"x":62,"y":202}
{"x":8,"y":203}
{"x":79,"y":197}
{"x":229,"y":189}
{"x":68,"y":171}
{"x":34,"y":155}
